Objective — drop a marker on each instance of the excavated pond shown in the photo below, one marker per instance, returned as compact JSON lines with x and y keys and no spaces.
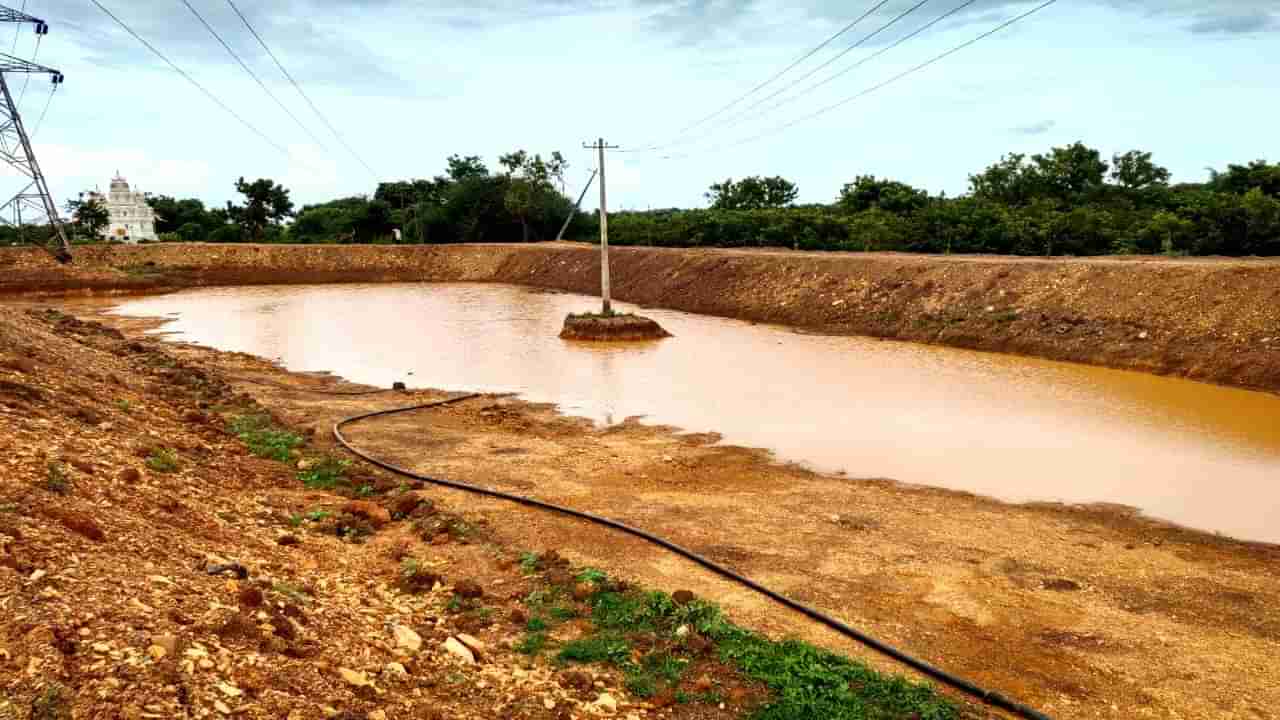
{"x":1014,"y":428}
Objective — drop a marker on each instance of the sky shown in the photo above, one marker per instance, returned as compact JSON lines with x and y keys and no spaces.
{"x":406,"y":84}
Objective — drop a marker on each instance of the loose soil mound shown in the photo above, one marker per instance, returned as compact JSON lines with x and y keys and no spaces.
{"x":612,"y":328}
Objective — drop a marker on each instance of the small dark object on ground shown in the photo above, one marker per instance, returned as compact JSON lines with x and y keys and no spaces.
{"x":611,"y":328}
{"x":399,"y":386}
{"x":235,"y":568}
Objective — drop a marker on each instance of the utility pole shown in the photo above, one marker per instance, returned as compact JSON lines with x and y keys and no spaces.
{"x":604,"y":227}
{"x":15,"y":147}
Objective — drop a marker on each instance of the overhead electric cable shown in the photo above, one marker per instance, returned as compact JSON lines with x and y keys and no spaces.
{"x":52,"y":90}
{"x":740,"y":119}
{"x":27,"y":78}
{"x":18,"y":31}
{"x":298,"y":87}
{"x":191,"y":80}
{"x":737,"y":119}
{"x":912,"y":70}
{"x":252,"y":74}
{"x":780,"y":73}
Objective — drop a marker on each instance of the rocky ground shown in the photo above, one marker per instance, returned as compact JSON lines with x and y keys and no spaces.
{"x":172,"y":547}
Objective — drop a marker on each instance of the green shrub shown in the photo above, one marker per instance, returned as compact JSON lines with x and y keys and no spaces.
{"x":324,"y":473}
{"x":163,"y":460}
{"x":264,"y":438}
{"x":55,"y":480}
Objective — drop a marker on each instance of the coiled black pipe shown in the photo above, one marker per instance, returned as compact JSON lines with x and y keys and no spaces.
{"x":989,"y":697}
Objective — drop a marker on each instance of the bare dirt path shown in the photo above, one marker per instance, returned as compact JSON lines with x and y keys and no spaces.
{"x":1082,"y":612}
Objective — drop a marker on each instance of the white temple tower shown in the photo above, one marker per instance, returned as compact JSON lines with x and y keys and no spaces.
{"x":131,"y":218}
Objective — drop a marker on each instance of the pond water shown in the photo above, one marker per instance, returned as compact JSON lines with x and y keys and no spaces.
{"x":1015,"y":428}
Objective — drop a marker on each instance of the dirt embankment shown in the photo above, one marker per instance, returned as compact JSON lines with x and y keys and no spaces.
{"x":1213,"y":320}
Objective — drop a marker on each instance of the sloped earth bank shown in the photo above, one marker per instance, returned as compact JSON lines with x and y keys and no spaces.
{"x":1208,"y":319}
{"x":1082,"y":612}
{"x":172,"y":548}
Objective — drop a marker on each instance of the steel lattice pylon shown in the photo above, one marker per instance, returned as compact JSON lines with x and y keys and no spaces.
{"x":33,"y":202}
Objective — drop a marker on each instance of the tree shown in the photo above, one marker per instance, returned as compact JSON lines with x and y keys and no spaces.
{"x":1262,"y":223}
{"x":868,"y":191}
{"x":1240,"y":179}
{"x":172,"y":214}
{"x":88,"y":216}
{"x":1068,"y":173}
{"x":1135,"y":171}
{"x":464,"y":168}
{"x":1010,"y":181}
{"x":1065,"y":174}
{"x":266,"y":203}
{"x":752,"y":193}
{"x":529,"y":183}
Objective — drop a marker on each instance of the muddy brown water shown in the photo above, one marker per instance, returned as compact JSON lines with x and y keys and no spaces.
{"x":1015,"y":428}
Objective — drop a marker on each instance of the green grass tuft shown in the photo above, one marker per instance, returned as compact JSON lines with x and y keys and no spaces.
{"x":325,"y":473}
{"x":163,"y":460}
{"x":604,"y":648}
{"x":533,"y":643}
{"x":56,"y":480}
{"x":264,"y":438}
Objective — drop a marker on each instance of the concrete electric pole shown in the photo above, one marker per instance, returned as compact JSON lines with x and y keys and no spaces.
{"x":604,"y":227}
{"x":15,"y":147}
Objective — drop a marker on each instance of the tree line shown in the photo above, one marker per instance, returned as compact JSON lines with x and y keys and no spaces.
{"x":1066,"y":201}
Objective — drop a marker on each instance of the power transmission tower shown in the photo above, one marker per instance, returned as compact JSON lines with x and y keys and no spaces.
{"x":15,"y":149}
{"x":604,"y":226}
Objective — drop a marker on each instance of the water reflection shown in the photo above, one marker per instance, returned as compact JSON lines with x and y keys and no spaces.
{"x":1010,"y":427}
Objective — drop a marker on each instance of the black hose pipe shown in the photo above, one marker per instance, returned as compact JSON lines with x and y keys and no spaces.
{"x":989,"y":697}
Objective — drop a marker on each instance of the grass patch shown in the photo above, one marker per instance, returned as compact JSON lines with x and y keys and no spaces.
{"x":318,"y":515}
{"x":263,"y":437}
{"x":51,"y":704}
{"x":604,"y":648}
{"x":593,"y":576}
{"x":598,"y":316}
{"x":124,"y":406}
{"x":163,"y":460}
{"x":325,"y":473}
{"x":55,"y":479}
{"x":529,"y":563}
{"x":655,"y":671}
{"x":293,"y":592}
{"x":532,"y":643}
{"x":805,"y":681}
{"x":809,"y":682}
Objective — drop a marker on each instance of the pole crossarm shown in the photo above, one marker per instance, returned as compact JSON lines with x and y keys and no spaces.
{"x":8,"y":14}
{"x":11,"y":64}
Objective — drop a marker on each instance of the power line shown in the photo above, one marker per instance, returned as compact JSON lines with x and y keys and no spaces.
{"x":737,"y":119}
{"x":18,"y":30}
{"x":252,"y":74}
{"x":191,"y":80}
{"x":298,"y":87}
{"x":778,"y":74}
{"x":27,"y":79}
{"x":910,"y":71}
{"x":52,"y":90}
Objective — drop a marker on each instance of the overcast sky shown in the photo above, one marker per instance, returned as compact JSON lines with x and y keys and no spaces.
{"x":409,"y":83}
